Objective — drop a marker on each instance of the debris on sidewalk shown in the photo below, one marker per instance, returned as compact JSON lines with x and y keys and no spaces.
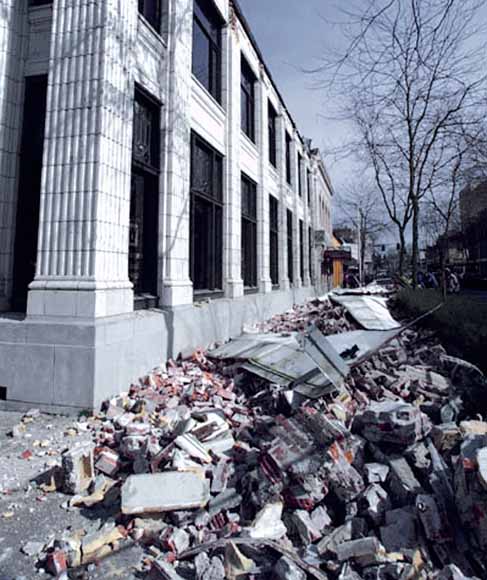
{"x":306,"y":449}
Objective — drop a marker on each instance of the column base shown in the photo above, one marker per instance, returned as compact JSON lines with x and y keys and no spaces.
{"x":298,"y":283}
{"x":284,"y":284}
{"x":97,"y":303}
{"x":265,"y":286}
{"x":307,"y":281}
{"x":234,"y":289}
{"x":177,"y":293}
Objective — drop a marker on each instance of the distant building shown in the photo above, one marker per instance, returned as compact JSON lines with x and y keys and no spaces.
{"x":473,"y":209}
{"x":155,"y":192}
{"x":453,"y":249}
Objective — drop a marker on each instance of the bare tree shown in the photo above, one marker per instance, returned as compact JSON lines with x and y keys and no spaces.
{"x":360,"y":207}
{"x":441,"y":214}
{"x":410,"y":74}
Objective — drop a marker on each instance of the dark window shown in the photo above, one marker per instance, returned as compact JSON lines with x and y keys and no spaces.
{"x":29,"y":190}
{"x":249,"y":233}
{"x":39,"y":2}
{"x":206,"y":227}
{"x":300,"y":179}
{"x":301,"y":249}
{"x":290,"y":256}
{"x":151,"y":11}
{"x":207,"y":57}
{"x":308,"y":177}
{"x":310,"y":253}
{"x":288,"y":158}
{"x":272,"y":134}
{"x":274,"y":238}
{"x":144,"y":201}
{"x":247,"y":91}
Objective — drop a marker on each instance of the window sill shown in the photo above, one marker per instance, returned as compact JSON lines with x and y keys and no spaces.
{"x":204,"y":295}
{"x":275,"y":287}
{"x":206,"y":92}
{"x":145,"y":301}
{"x":151,"y":30}
{"x":250,"y":290}
{"x":249,"y":141}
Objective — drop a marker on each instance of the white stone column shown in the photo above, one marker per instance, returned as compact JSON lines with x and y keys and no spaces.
{"x":296,"y":201}
{"x":232,"y":251}
{"x":13,"y":16}
{"x":281,"y":168}
{"x":177,"y":288}
{"x":263,"y":223}
{"x":82,"y":265}
{"x":307,"y":223}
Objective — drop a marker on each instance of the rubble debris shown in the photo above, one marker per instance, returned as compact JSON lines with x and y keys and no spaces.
{"x":370,"y":312}
{"x":162,"y":492}
{"x":307,"y":450}
{"x":286,"y":569}
{"x":78,"y":468}
{"x":393,"y":422}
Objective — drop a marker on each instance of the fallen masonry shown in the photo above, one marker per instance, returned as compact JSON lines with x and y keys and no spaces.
{"x":219,"y":472}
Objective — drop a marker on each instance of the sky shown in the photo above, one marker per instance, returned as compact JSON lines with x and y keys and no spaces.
{"x":292,"y":35}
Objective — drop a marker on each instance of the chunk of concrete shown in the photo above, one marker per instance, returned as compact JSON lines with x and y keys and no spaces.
{"x":404,"y":485}
{"x":162,"y":492}
{"x":360,"y":549}
{"x":286,"y":569}
{"x":393,"y":422}
{"x":78,"y":468}
{"x":268,"y":524}
{"x":376,"y":472}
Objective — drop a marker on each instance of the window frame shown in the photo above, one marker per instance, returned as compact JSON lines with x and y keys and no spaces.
{"x":289,"y":175}
{"x":147,"y":171}
{"x":274,"y":240}
{"x":215,"y":207}
{"x":290,"y":245}
{"x":204,"y":10}
{"x":247,"y":104}
{"x":248,"y":237}
{"x":154,"y":21}
{"x":272,"y":133}
{"x":300,"y":179}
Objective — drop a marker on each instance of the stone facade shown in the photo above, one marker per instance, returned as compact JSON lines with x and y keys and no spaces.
{"x":81,"y":339}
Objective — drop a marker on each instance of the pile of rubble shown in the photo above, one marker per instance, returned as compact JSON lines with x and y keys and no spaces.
{"x":218,"y":476}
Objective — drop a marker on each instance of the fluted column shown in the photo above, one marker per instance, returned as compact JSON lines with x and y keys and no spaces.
{"x":82,"y":266}
{"x":283,"y":205}
{"x":177,"y":288}
{"x":296,"y":214}
{"x":307,"y":223}
{"x":13,"y":16}
{"x":263,"y":224}
{"x":232,"y":271}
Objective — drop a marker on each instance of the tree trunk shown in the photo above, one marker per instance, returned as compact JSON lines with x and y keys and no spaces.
{"x":415,"y":253}
{"x":402,"y":251}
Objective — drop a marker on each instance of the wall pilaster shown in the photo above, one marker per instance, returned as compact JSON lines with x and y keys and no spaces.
{"x":263,"y":224}
{"x":13,"y":22}
{"x":177,"y":288}
{"x":232,"y":272}
{"x":281,"y":167}
{"x":82,"y":265}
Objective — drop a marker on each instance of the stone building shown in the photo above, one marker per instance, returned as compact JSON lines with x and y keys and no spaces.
{"x":473,"y":210}
{"x":155,"y":193}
